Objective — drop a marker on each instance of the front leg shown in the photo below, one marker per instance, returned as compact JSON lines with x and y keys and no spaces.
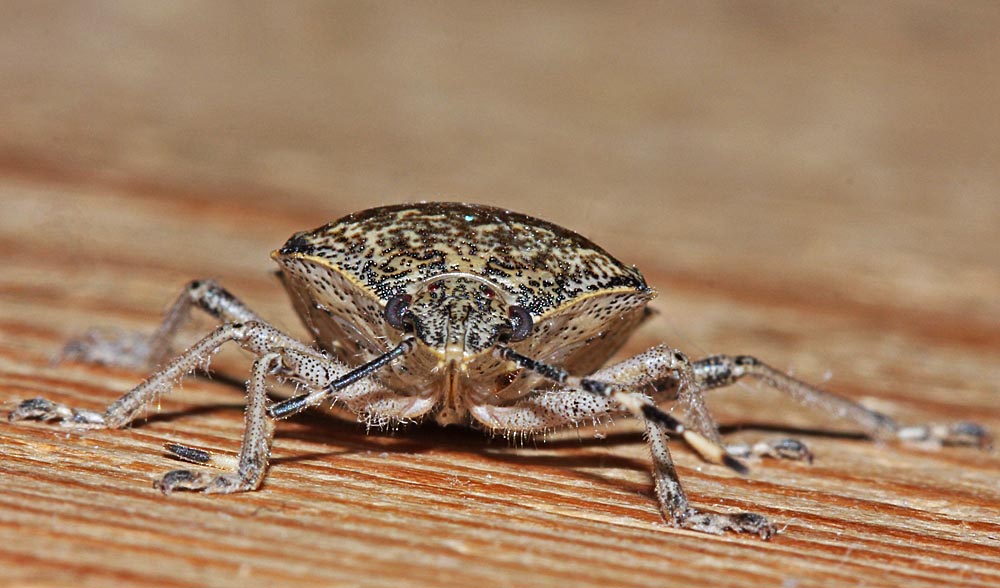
{"x":258,"y":434}
{"x":674,"y":503}
{"x":548,"y":410}
{"x":277,"y":353}
{"x":326,"y":380}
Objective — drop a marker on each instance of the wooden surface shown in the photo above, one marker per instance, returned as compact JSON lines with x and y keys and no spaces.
{"x":814,"y":184}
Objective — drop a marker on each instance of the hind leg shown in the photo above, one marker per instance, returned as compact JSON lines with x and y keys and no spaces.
{"x":137,"y":350}
{"x":723,"y":370}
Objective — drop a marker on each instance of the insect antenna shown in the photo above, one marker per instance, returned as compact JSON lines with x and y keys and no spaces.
{"x":637,"y":404}
{"x":297,"y":404}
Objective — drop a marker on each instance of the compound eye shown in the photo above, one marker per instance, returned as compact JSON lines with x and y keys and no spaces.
{"x":520,"y":323}
{"x":397,"y":312}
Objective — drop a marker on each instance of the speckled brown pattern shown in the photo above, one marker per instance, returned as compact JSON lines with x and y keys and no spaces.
{"x":463,"y":265}
{"x":394,"y":248}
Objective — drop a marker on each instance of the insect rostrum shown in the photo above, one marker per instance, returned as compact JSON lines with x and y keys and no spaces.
{"x":470,"y":315}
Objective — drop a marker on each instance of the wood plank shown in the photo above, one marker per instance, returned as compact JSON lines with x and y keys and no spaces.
{"x":840,"y":230}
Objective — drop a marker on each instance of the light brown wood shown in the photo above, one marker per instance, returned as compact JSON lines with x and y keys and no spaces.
{"x":816,"y":187}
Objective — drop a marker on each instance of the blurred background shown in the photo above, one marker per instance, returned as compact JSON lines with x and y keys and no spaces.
{"x":837,"y":157}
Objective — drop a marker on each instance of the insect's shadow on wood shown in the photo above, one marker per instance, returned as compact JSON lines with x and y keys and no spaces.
{"x":428,"y":437}
{"x":779,"y":430}
{"x":199,"y":410}
{"x":415,"y":438}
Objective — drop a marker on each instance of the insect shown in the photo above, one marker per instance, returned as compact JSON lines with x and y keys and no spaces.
{"x":470,"y":315}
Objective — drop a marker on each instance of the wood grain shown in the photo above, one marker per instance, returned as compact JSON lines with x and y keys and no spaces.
{"x":816,"y":187}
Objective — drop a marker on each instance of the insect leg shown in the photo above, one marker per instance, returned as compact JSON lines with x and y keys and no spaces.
{"x":258,"y":338}
{"x":618,"y":382}
{"x":670,"y":375}
{"x":327,"y":381}
{"x":674,"y":502}
{"x":723,"y":370}
{"x":551,"y":409}
{"x":136,"y":350}
{"x":277,"y":354}
{"x":258,"y":434}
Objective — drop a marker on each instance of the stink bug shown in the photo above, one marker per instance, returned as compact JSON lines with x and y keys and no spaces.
{"x":470,"y":315}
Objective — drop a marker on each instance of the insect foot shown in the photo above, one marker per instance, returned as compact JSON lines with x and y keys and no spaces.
{"x":790,"y":449}
{"x":960,"y":433}
{"x":466,"y":315}
{"x":41,"y":409}
{"x":206,"y":482}
{"x":717,"y":524}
